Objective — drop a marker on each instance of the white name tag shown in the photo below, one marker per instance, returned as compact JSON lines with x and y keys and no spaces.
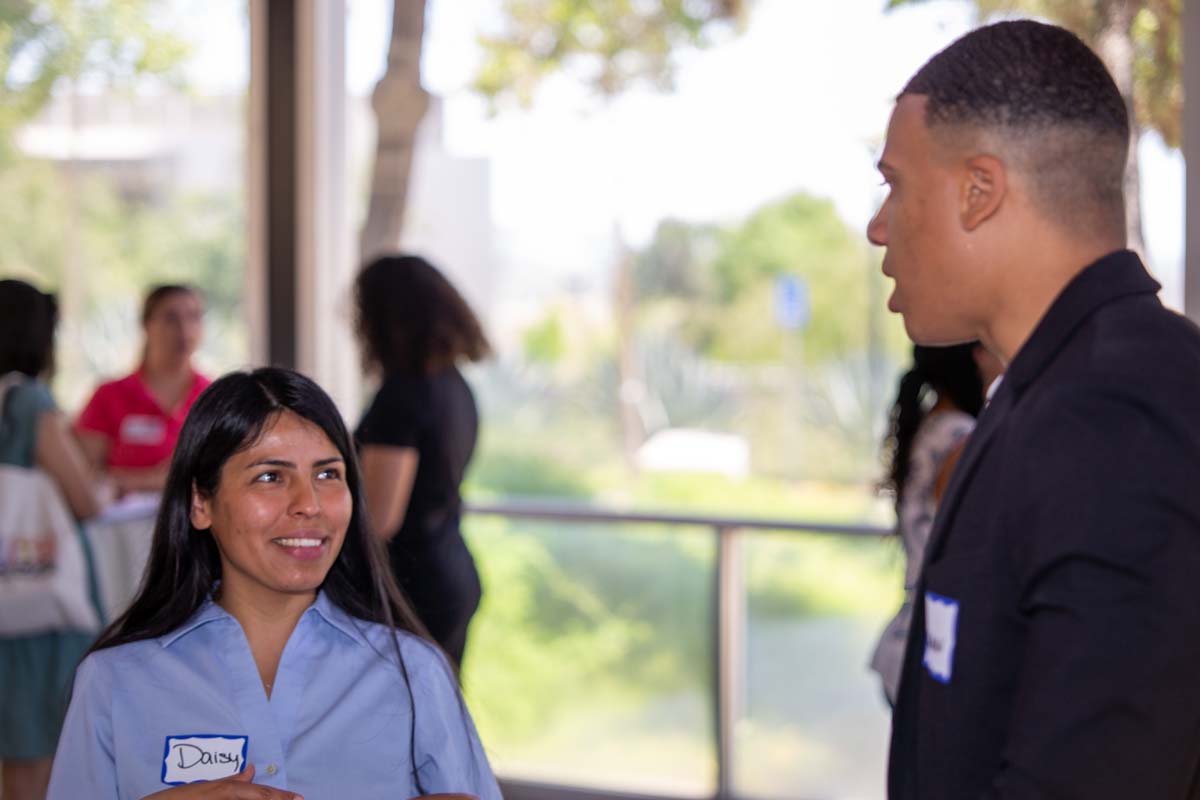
{"x":143,"y":429}
{"x":941,"y":629}
{"x":203,"y":758}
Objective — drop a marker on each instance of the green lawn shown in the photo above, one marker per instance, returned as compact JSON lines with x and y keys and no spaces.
{"x":590,"y":660}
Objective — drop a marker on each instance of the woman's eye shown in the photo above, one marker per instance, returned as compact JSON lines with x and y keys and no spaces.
{"x":267,"y":477}
{"x":330,"y":473}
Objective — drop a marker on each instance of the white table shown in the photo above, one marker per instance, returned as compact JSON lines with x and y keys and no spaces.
{"x":120,"y":543}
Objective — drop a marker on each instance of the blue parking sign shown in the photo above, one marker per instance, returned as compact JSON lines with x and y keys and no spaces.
{"x":791,"y":302}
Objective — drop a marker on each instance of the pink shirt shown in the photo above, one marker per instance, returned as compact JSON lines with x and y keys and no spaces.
{"x":140,"y":432}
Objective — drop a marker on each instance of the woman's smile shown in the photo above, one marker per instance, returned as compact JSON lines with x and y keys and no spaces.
{"x":306,"y":547}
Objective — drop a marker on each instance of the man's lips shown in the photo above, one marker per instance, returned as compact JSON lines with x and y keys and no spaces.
{"x":892,"y":303}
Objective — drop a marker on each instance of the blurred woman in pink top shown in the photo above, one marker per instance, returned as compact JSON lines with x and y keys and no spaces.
{"x":130,"y":425}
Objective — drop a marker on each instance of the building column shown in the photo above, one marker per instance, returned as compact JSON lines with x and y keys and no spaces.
{"x":326,"y":250}
{"x":300,"y":263}
{"x":1191,"y":156}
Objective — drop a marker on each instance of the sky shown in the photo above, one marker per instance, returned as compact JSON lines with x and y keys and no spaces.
{"x":798,"y":101}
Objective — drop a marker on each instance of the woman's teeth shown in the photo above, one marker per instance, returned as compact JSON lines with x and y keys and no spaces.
{"x":299,"y":542}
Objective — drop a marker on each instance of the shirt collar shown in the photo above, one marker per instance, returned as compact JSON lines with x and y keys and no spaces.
{"x":992,"y":388}
{"x":337,"y":618}
{"x":1116,"y":275}
{"x":208,"y":612}
{"x":322,"y":608}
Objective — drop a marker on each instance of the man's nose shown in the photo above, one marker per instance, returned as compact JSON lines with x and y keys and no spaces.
{"x":877,"y":227}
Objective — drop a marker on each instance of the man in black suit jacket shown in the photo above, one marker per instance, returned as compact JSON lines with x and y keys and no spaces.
{"x":1055,"y":644}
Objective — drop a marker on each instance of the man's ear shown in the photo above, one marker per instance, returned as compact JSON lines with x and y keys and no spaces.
{"x":201,"y":510}
{"x":984,"y":186}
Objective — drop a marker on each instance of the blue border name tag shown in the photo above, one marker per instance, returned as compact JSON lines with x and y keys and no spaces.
{"x":941,"y":633}
{"x":188,"y":758}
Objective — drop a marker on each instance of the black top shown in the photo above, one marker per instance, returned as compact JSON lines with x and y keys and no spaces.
{"x":1055,"y":643}
{"x":436,"y":415}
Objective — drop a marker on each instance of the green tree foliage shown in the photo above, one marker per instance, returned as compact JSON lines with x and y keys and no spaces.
{"x":1158,"y":68}
{"x":716,"y":285}
{"x":31,"y":199}
{"x":580,"y":619}
{"x":712,"y":352}
{"x":616,"y":43}
{"x":1156,"y":44}
{"x":671,"y":265}
{"x":555,"y":637}
{"x":191,"y":238}
{"x":194,"y":238}
{"x":81,"y":235}
{"x":44,"y":43}
{"x":545,"y":341}
{"x":801,"y":236}
{"x":613,"y":44}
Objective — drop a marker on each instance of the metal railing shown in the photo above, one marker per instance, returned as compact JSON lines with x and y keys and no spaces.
{"x":729,"y":614}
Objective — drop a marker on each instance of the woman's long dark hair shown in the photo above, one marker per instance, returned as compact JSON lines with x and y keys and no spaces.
{"x":411,"y":320}
{"x":185,"y":565}
{"x":951,"y":373}
{"x":27,"y":322}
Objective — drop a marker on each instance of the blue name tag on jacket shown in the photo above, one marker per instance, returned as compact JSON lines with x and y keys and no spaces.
{"x":941,"y":631}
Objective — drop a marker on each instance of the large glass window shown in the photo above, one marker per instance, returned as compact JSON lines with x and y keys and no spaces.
{"x":687,"y":317}
{"x":122,"y":164}
{"x":814,"y":722}
{"x":591,"y":658}
{"x":684,"y":306}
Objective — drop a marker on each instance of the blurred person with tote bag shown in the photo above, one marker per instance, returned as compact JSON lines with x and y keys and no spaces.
{"x":48,"y":619}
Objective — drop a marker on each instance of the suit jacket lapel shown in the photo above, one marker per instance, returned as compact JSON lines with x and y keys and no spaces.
{"x":902,"y":777}
{"x":989,"y":422}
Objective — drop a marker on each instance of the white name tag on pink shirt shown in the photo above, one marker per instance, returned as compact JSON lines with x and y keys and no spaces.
{"x":142,"y":429}
{"x":202,"y":757}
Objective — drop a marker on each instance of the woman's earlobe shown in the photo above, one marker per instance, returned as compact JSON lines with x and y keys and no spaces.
{"x":200,"y":512}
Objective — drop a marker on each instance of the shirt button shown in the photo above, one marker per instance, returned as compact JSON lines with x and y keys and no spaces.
{"x":272,"y":769}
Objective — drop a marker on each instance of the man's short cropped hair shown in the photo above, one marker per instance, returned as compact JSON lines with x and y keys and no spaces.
{"x":1045,"y":100}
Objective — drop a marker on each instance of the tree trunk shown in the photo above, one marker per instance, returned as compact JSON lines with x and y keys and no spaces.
{"x":630,"y":388}
{"x":399,"y":103}
{"x":72,"y":293}
{"x":1114,"y":44}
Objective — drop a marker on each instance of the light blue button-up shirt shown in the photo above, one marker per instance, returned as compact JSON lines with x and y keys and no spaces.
{"x":337,"y":724}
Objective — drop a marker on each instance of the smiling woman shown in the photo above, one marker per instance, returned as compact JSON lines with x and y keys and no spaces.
{"x":268,"y":632}
{"x":279,"y":516}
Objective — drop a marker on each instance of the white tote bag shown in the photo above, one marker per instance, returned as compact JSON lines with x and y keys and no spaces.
{"x":43,"y":571}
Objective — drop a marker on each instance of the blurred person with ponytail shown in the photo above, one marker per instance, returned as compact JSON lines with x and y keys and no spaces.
{"x":935,"y":410}
{"x":130,"y":425}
